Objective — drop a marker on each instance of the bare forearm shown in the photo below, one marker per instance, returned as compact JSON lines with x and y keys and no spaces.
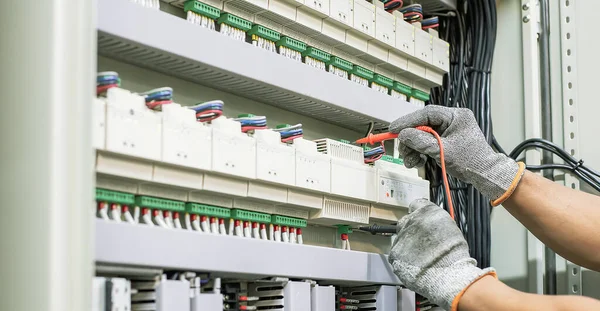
{"x":566,"y":220}
{"x":491,"y":294}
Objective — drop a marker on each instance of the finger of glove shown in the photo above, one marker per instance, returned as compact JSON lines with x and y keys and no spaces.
{"x":418,"y":204}
{"x":414,"y":159}
{"x":422,"y":142}
{"x":437,"y":117}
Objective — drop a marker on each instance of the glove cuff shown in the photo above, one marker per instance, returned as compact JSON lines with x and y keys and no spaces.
{"x":512,"y":187}
{"x":485,"y":272}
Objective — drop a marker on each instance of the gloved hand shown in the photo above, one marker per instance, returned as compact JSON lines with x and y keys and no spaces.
{"x":431,"y":257}
{"x":467,"y":153}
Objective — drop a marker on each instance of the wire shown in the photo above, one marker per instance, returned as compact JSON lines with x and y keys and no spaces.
{"x":208,"y":111}
{"x":158,"y":97}
{"x":393,"y":5}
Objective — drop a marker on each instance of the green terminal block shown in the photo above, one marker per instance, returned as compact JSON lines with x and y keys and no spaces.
{"x":317,"y":54}
{"x":288,"y":221}
{"x":344,"y":141}
{"x":362,"y":72}
{"x":280,"y":126}
{"x":340,"y":63}
{"x":235,"y":21}
{"x":402,"y":88}
{"x":250,"y":216}
{"x":103,"y":195}
{"x":246,"y":115}
{"x":208,"y":210}
{"x":202,"y":9}
{"x":344,"y":229}
{"x":389,"y":158}
{"x":418,"y":94}
{"x":157,"y":203}
{"x":383,"y":81}
{"x":292,"y":43}
{"x":265,"y":33}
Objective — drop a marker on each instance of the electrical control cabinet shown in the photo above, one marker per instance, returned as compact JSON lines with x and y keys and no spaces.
{"x":284,"y":8}
{"x":274,"y":160}
{"x":385,"y":27}
{"x":312,"y":168}
{"x":179,"y":128}
{"x":207,"y":302}
{"x":284,"y":296}
{"x":364,"y":17}
{"x":99,"y":124}
{"x":322,"y":298}
{"x":233,"y":152}
{"x":132,"y":128}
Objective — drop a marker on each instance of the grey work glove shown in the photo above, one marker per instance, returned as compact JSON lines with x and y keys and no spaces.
{"x":431,"y":257}
{"x":467,"y":153}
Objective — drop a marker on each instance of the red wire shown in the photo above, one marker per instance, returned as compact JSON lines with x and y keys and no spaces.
{"x":155,"y":104}
{"x":202,"y":116}
{"x":430,"y":26}
{"x":392,"y":2}
{"x":102,"y":88}
{"x":250,"y":128}
{"x":285,"y":140}
{"x":443,"y":165}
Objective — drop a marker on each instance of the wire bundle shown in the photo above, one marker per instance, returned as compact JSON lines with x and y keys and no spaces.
{"x":289,"y":132}
{"x":431,"y":22}
{"x":571,"y":164}
{"x":208,"y":111}
{"x":106,"y":80}
{"x":412,"y":13}
{"x":251,"y":122}
{"x":157,"y":97}
{"x":393,"y":5}
{"x":374,"y":154}
{"x":471,"y":33}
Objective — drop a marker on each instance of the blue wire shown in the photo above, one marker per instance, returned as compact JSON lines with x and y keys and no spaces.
{"x":102,"y":79}
{"x":159,"y":98}
{"x":207,"y":107}
{"x":160,"y":94}
{"x":291,"y":133}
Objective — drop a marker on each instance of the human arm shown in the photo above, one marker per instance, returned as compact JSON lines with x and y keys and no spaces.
{"x":490,"y":294}
{"x":564,"y":219}
{"x":430,"y":256}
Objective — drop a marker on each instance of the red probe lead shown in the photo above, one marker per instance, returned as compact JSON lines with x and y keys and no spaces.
{"x":377,"y":138}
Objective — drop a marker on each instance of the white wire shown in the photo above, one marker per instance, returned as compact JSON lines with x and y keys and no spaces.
{"x":188,"y":222}
{"x":103,"y":212}
{"x":128,"y":217}
{"x":348,"y":244}
{"x":177,"y":223}
{"x":293,"y":237}
{"x":148,"y":219}
{"x":230,"y":231}
{"x":263,"y":234}
{"x":277,"y":236}
{"x":196,"y":225}
{"x":214,"y":228}
{"x":222,"y":229}
{"x":115,"y":214}
{"x":136,"y":214}
{"x":256,"y":233}
{"x":238,"y":231}
{"x":289,"y":128}
{"x":160,"y":221}
{"x":204,"y":226}
{"x":285,"y":236}
{"x":271,"y":233}
{"x":247,"y":233}
{"x":169,"y":220}
{"x":300,"y":240}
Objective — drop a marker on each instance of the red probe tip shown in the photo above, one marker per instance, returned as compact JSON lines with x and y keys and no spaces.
{"x":372,"y":139}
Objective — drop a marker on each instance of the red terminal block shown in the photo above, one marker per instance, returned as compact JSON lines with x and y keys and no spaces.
{"x":299,"y":231}
{"x":344,"y":236}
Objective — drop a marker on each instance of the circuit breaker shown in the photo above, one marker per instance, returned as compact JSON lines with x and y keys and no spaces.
{"x":399,"y":186}
{"x":312,"y":167}
{"x":423,"y":46}
{"x":178,"y":130}
{"x":441,"y":54}
{"x":385,"y":27}
{"x":364,"y":17}
{"x":342,"y":11}
{"x":405,"y":36}
{"x":233,"y":152}
{"x":132,"y":128}
{"x":274,"y":159}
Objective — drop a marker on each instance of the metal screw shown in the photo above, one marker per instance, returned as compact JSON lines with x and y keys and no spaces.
{"x":526,"y":19}
{"x":526,"y":6}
